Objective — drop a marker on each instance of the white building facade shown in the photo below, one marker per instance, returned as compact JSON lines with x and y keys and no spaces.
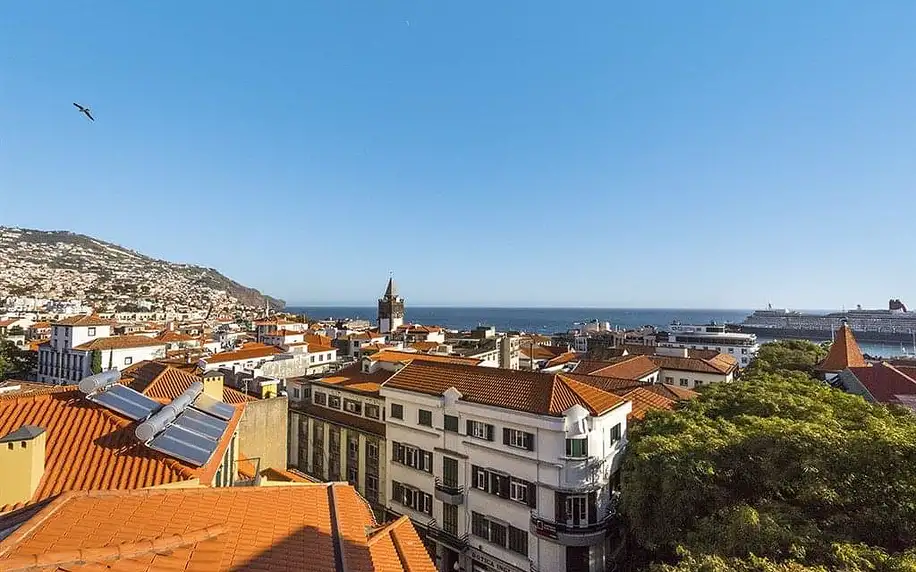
{"x":495,"y":487}
{"x":743,"y":347}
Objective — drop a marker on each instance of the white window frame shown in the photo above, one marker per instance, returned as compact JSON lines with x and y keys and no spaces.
{"x":483,"y":478}
{"x":518,"y":439}
{"x":518,"y":491}
{"x":128,"y":360}
{"x":478,"y":429}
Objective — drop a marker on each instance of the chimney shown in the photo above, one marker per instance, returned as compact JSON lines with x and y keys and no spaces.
{"x":213,"y":384}
{"x":22,"y":463}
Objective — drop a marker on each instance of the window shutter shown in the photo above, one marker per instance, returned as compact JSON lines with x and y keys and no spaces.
{"x":560,"y":507}
{"x":428,"y":462}
{"x":468,"y":428}
{"x":504,"y":487}
{"x":532,"y":495}
{"x":474,"y":470}
{"x":592,"y":507}
{"x":489,"y":432}
{"x":529,"y":441}
{"x":505,"y":435}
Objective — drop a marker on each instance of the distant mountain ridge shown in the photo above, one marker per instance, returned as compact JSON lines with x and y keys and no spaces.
{"x":64,"y":265}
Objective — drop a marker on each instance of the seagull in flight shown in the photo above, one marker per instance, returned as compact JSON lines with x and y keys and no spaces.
{"x":407,"y":22}
{"x":84,"y":111}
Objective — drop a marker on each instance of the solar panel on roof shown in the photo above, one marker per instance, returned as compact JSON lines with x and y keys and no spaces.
{"x":125,"y":401}
{"x":206,"y":425}
{"x":214,"y":407}
{"x":183,"y":444}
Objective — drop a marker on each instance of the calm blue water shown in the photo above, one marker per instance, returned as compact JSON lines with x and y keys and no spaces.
{"x":552,"y":320}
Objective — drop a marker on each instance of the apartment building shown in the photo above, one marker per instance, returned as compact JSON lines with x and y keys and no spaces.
{"x":337,"y":429}
{"x":505,"y":470}
{"x":743,"y":347}
{"x":79,"y":341}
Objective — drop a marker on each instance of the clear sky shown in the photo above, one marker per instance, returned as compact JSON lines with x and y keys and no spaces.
{"x":711,"y":153}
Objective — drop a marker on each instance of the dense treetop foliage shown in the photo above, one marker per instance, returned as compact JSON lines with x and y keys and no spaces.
{"x":794,"y":355}
{"x":776,"y":472}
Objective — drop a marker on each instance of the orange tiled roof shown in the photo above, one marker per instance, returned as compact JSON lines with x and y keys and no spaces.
{"x":40,"y":326}
{"x":119,"y":343}
{"x":246,"y":468}
{"x":290,"y":476}
{"x":8,"y":322}
{"x":248,"y":351}
{"x":424,"y":346}
{"x":644,"y":400}
{"x":395,"y":356}
{"x":174,"y":337}
{"x":722,"y":364}
{"x":164,"y":382}
{"x":317,"y":349}
{"x":89,"y":447}
{"x":12,"y":388}
{"x":540,"y":393}
{"x":540,"y":352}
{"x":91,"y":320}
{"x":308,"y":527}
{"x":844,"y":352}
{"x":33,"y":345}
{"x":563,"y":358}
{"x":284,"y":333}
{"x":319,"y":340}
{"x":353,"y":378}
{"x":628,"y":367}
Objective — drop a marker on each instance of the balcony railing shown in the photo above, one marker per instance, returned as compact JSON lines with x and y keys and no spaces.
{"x":451,"y":538}
{"x":572,"y":534}
{"x":449,"y":491}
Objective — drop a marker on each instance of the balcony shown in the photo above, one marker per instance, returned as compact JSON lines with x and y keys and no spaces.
{"x":449,"y":492}
{"x":572,"y":534}
{"x":447,"y":537}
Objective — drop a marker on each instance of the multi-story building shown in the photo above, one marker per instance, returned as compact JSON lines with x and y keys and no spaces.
{"x":80,"y":344}
{"x":337,"y":429}
{"x":743,"y":347}
{"x":507,"y":471}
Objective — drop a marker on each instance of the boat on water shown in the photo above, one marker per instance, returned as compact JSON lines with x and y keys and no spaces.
{"x":896,"y":324}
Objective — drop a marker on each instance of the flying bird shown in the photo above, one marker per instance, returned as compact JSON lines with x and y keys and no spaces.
{"x":407,"y":22}
{"x":84,"y":111}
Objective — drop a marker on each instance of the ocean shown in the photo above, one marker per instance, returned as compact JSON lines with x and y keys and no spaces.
{"x":552,"y":320}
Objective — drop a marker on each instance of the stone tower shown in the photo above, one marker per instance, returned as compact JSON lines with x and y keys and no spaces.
{"x":390,"y":309}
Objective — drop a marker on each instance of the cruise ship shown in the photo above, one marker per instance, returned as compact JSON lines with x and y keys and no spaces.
{"x":896,"y":324}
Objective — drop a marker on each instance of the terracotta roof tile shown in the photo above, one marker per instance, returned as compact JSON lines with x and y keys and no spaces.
{"x":89,"y":447}
{"x":317,"y":349}
{"x":395,"y":356}
{"x":844,"y":352}
{"x":169,"y":336}
{"x":627,"y":367}
{"x":290,"y":476}
{"x":885,"y":382}
{"x":248,"y":351}
{"x":563,"y":358}
{"x":644,"y":400}
{"x":723,"y":364}
{"x":119,"y":343}
{"x":319,"y":340}
{"x":164,"y":382}
{"x":541,"y":352}
{"x":91,"y":320}
{"x":353,"y":378}
{"x":294,"y":527}
{"x":539,"y":393}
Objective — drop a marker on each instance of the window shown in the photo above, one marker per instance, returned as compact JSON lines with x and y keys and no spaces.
{"x":412,"y":457}
{"x":577,"y":447}
{"x":487,"y":529}
{"x":412,"y":498}
{"x":372,"y":411}
{"x":744,"y":351}
{"x":731,"y":350}
{"x":372,"y":450}
{"x":397,"y":411}
{"x":450,"y":518}
{"x":354,"y":407}
{"x":518,"y":491}
{"x":91,"y":331}
{"x":450,"y":472}
{"x":480,"y":481}
{"x":615,"y":433}
{"x":353,"y":475}
{"x":480,"y":430}
{"x":451,"y":423}
{"x":128,"y":360}
{"x":698,"y":382}
{"x":425,"y":417}
{"x":353,"y":445}
{"x":684,"y":382}
{"x":518,"y":439}
{"x":669,"y":380}
{"x":312,"y":359}
{"x":295,"y":392}
{"x":334,"y":401}
{"x":518,"y":540}
{"x":372,"y":488}
{"x":321,"y":398}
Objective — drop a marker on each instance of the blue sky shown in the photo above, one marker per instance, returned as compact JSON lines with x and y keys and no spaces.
{"x":597,"y":153}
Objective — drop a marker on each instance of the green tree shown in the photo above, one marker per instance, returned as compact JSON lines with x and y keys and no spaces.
{"x":96,"y":364}
{"x":792,"y":355}
{"x":777,"y":466}
{"x":16,"y":362}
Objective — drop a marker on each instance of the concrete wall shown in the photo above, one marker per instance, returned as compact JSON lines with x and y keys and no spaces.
{"x":692,"y":377}
{"x":296,"y":366}
{"x":263,"y":431}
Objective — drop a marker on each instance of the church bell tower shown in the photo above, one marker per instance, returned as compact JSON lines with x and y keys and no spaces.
{"x":390,"y":309}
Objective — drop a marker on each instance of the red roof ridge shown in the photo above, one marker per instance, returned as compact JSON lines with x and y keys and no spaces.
{"x":118,"y":552}
{"x":844,"y":352}
{"x":386,"y":529}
